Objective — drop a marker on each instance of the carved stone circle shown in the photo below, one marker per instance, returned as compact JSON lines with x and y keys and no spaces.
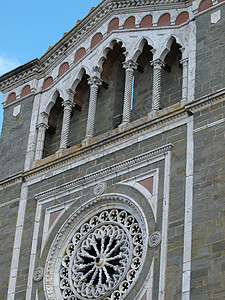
{"x":155,"y":239}
{"x":38,"y":274}
{"x":99,"y":189}
{"x":102,"y":258}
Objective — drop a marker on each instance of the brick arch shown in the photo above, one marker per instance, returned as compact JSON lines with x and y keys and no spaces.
{"x":11,"y":98}
{"x":113,"y":25}
{"x":96,"y":39}
{"x":63,"y":68}
{"x":25,"y":91}
{"x":129,"y":23}
{"x":182,"y":18}
{"x":79,"y":54}
{"x":205,"y":4}
{"x":47,"y":83}
{"x":146,"y":22}
{"x":164,"y":20}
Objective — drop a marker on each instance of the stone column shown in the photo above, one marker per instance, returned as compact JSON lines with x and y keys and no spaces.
{"x":94,"y":83}
{"x":157,"y":68}
{"x":68,"y":106}
{"x":184,"y":63}
{"x":40,"y":140}
{"x":129,"y":66}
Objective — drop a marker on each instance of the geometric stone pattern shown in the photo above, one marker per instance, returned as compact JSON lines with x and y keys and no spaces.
{"x":103,"y":257}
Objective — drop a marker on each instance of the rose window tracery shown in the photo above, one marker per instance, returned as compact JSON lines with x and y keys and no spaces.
{"x":103,"y":257}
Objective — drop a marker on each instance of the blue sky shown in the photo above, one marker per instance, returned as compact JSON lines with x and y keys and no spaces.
{"x":28,"y":28}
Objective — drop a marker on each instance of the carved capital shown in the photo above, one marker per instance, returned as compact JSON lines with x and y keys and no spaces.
{"x":42,"y":126}
{"x":184,"y":62}
{"x":68,"y":104}
{"x":130,"y":65}
{"x":94,"y":81}
{"x":158,"y":63}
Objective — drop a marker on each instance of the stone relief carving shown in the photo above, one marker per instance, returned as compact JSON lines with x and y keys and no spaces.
{"x":155,"y":239}
{"x":38,"y":274}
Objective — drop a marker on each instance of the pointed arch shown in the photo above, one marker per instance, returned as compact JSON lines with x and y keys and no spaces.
{"x":140,"y":45}
{"x":169,"y":42}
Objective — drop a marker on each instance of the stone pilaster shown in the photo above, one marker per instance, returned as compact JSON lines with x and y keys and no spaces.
{"x":40,"y":140}
{"x":184,"y":63}
{"x":68,"y":106}
{"x":94,"y":83}
{"x":129,"y":66}
{"x":157,"y":70}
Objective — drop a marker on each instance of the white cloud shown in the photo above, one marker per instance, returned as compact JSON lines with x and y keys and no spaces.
{"x":7,"y":64}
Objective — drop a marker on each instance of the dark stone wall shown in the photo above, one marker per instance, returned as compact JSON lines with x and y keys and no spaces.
{"x":14,"y":137}
{"x":142,"y":94}
{"x":8,"y":218}
{"x":210,"y":69}
{"x":208,"y":249}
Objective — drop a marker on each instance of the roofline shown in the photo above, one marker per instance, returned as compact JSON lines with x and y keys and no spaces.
{"x":28,"y":65}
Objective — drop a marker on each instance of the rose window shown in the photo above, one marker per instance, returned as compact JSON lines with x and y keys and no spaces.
{"x":103,"y":258}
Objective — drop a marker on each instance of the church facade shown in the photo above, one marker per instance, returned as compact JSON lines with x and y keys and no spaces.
{"x":112,"y":158}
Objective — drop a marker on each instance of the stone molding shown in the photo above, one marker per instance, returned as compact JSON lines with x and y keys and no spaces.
{"x":104,"y":172}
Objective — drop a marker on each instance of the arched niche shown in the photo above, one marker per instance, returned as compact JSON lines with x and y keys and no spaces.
{"x":142,"y":84}
{"x":80,"y":112}
{"x":79,"y":54}
{"x":47,"y":83}
{"x":182,"y":18}
{"x":96,"y":39}
{"x":172,"y":73}
{"x":205,"y":4}
{"x":129,"y":23}
{"x":110,"y":97}
{"x":11,"y":98}
{"x":63,"y":68}
{"x":164,"y":20}
{"x":53,"y":133}
{"x":25,"y":91}
{"x":113,"y":25}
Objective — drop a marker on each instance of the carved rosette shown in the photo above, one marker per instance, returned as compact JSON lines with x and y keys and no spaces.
{"x":103,"y":257}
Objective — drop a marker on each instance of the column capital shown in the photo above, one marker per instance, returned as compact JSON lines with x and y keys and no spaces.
{"x":42,"y":125}
{"x":157,"y":63}
{"x":68,"y":104}
{"x":184,"y":62}
{"x":94,"y":81}
{"x":130,"y":65}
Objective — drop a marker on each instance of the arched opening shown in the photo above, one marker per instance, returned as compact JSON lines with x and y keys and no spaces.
{"x":109,"y":110}
{"x":53,"y":133}
{"x":171,"y":91}
{"x":80,"y":112}
{"x":142,"y":84}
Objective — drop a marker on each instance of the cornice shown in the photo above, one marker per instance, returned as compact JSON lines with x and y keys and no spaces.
{"x":37,"y":67}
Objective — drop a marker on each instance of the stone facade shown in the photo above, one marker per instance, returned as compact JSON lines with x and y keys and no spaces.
{"x":112,"y":159}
